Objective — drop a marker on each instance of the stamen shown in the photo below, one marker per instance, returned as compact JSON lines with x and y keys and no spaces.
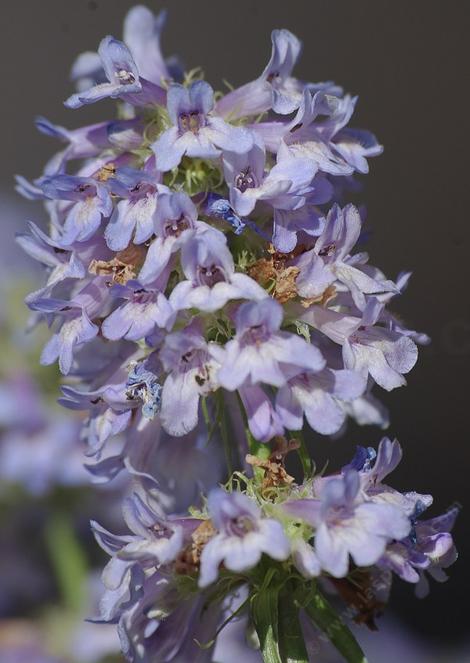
{"x":327,"y":250}
{"x":210,"y":275}
{"x":125,"y":77}
{"x":85,"y":188}
{"x":245,"y":180}
{"x":191,"y":121}
{"x":174,"y":228}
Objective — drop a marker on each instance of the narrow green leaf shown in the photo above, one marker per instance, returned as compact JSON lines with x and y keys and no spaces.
{"x":291,"y":639}
{"x":68,"y":561}
{"x":328,"y":621}
{"x":264,"y":609}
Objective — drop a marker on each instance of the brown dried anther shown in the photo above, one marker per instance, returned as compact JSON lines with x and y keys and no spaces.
{"x":273,"y":272}
{"x":117,"y":270}
{"x":321,"y":300}
{"x":106,"y":172}
{"x":275,"y":475}
{"x":123,"y":267}
{"x":276,"y":273}
{"x":189,"y":559}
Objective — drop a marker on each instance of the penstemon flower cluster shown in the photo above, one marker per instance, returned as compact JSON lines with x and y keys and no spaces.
{"x":209,"y":299}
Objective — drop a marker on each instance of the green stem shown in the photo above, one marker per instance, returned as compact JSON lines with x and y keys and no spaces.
{"x":307,"y":464}
{"x":258,"y":449}
{"x":224,"y":433}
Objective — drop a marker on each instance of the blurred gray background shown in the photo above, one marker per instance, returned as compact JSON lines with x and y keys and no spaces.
{"x":408,"y":61}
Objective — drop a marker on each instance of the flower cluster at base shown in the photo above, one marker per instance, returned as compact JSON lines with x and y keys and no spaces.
{"x":264,"y":544}
{"x":208,"y":294}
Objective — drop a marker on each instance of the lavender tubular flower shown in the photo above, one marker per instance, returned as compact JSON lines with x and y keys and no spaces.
{"x":346,"y":525}
{"x":141,"y":33}
{"x":211,"y":278}
{"x":62,"y":265}
{"x":260,"y":352}
{"x":136,"y":319}
{"x":91,"y":200}
{"x":264,"y":421}
{"x":285,"y":187}
{"x":207,"y":305}
{"x":318,"y":396}
{"x":330,"y":261}
{"x":76,"y":327}
{"x":133,"y":216}
{"x":175,"y":221}
{"x":123,"y":79}
{"x":242,"y":536}
{"x":191,"y":374}
{"x":195,"y":132}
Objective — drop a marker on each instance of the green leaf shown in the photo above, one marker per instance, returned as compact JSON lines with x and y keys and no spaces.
{"x":328,"y":621}
{"x":68,"y":561}
{"x":291,"y":639}
{"x":264,"y":610}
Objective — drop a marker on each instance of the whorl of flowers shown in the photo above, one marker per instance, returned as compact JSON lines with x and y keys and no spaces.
{"x":207,"y":292}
